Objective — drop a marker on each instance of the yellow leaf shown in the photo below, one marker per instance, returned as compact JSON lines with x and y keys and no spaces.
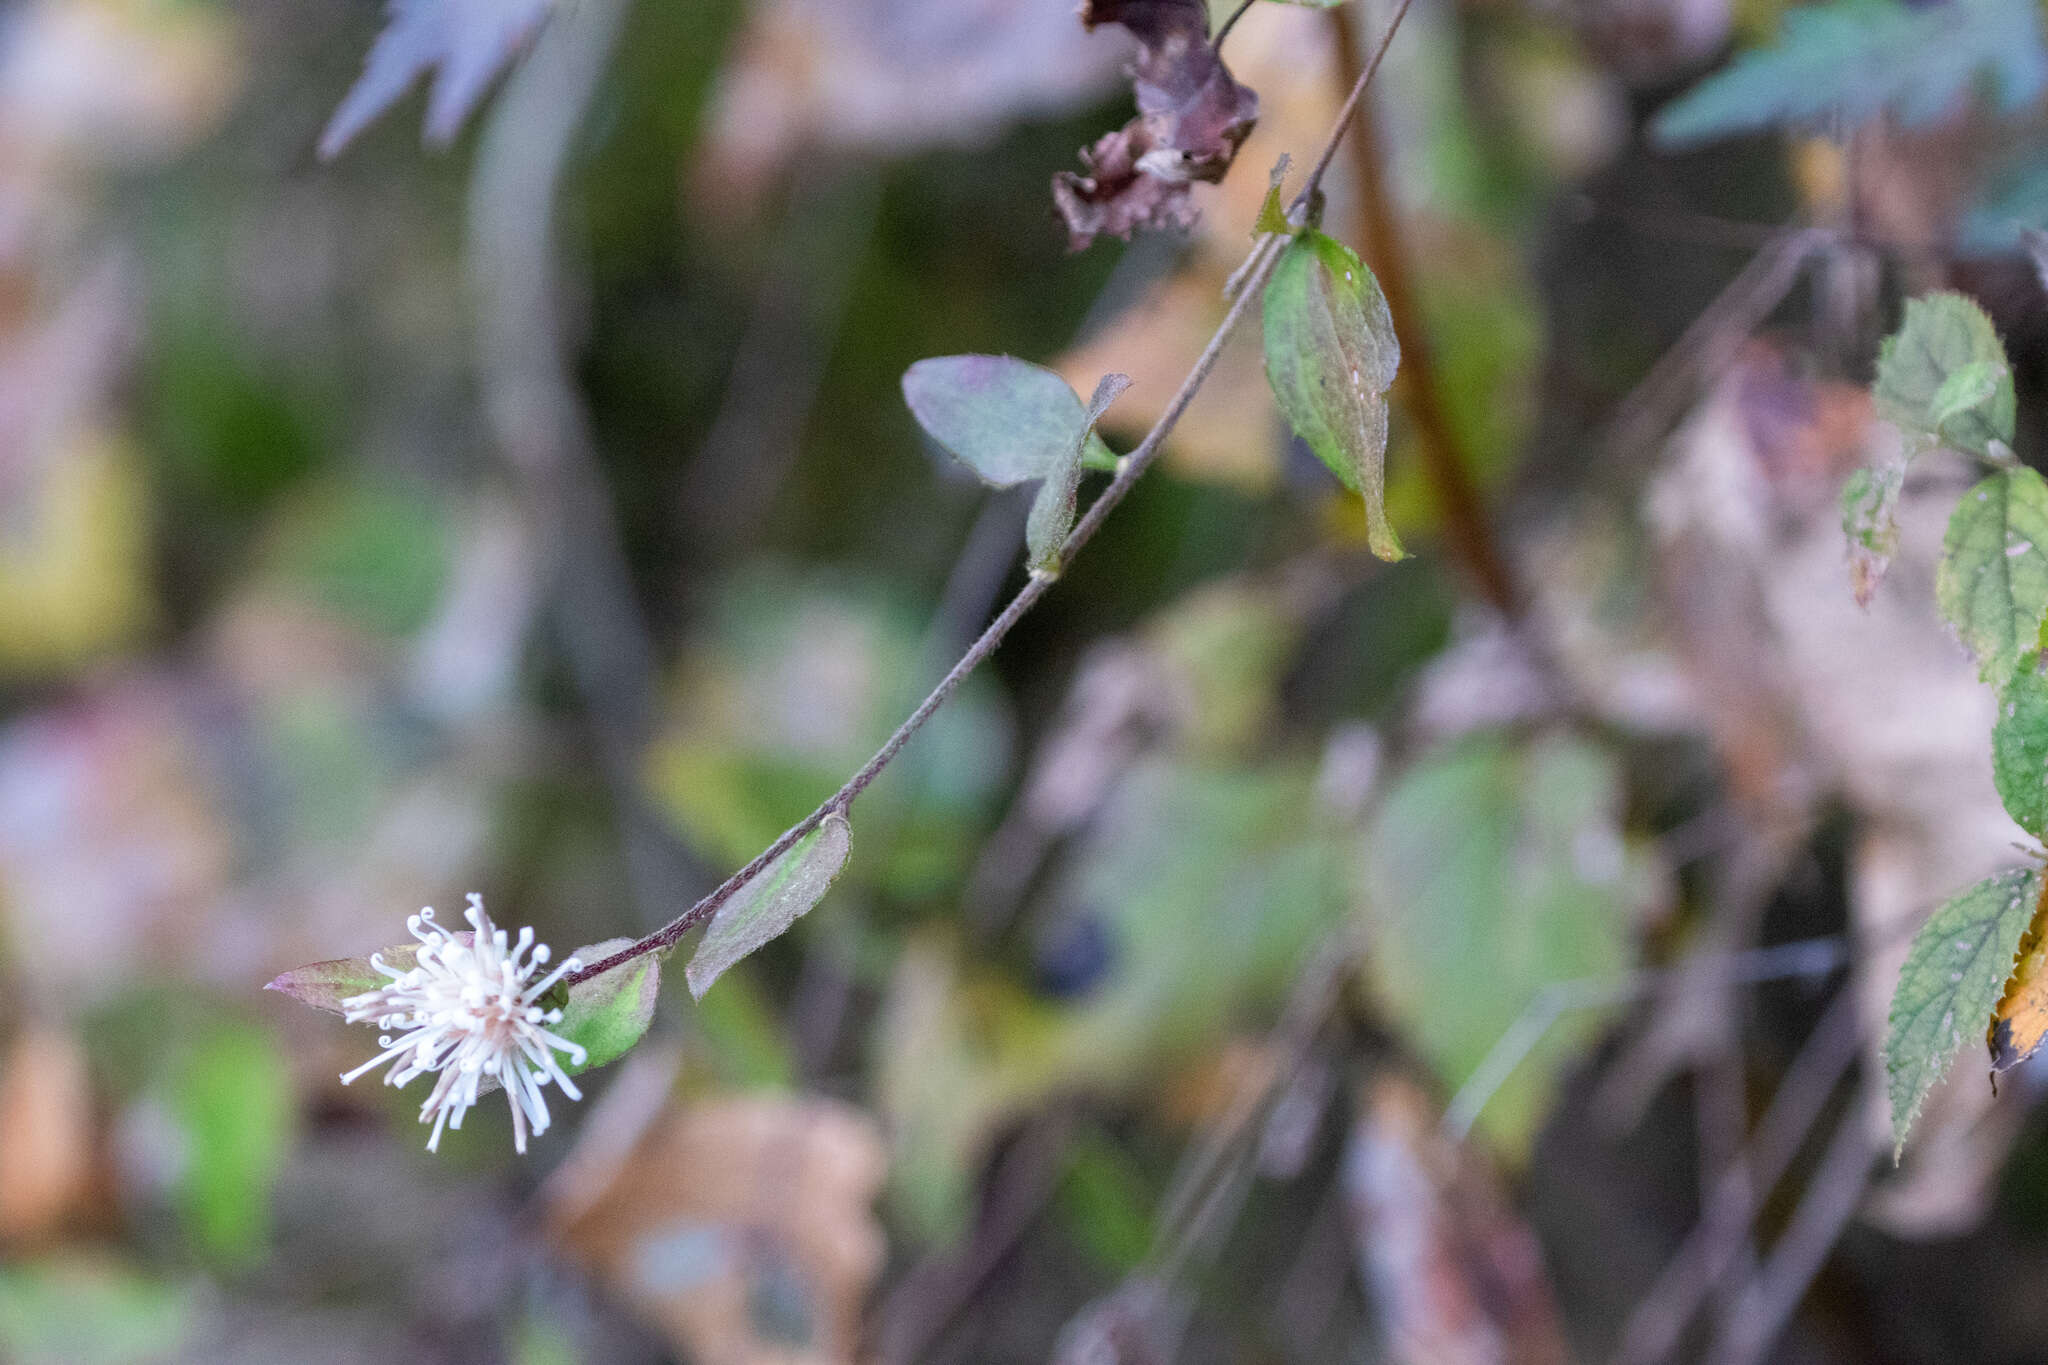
{"x":2020,"y":1021}
{"x":74,"y":558}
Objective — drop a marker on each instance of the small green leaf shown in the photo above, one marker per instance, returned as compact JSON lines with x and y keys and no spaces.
{"x":779,"y":895}
{"x":1006,"y":419}
{"x":1272,"y":212}
{"x":1331,"y":354}
{"x":607,"y":1013}
{"x":1951,"y":983}
{"x":2019,"y":748}
{"x":82,"y":1310}
{"x":1494,"y":869}
{"x":1870,"y":506}
{"x":230,"y":1092}
{"x":1943,"y":375}
{"x":1992,"y":582}
{"x":1052,"y":510}
{"x":1972,"y":387}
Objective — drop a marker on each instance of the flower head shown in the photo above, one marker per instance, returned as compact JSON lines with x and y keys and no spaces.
{"x":470,"y":1009}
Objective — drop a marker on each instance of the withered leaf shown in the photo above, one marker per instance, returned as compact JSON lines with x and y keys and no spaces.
{"x":1192,"y":118}
{"x":2020,"y":1021}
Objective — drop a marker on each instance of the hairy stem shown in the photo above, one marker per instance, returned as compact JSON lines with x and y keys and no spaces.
{"x":1350,"y":108}
{"x":1252,"y":276}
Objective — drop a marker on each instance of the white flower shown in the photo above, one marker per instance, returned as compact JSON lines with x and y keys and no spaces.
{"x":470,"y":1011}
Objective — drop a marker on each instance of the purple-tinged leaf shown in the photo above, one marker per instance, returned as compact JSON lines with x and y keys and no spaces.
{"x":324,"y":985}
{"x":779,"y":895}
{"x":1006,"y":419}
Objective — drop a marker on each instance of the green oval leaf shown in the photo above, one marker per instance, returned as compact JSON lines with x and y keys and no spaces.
{"x":1331,"y":354}
{"x":1495,"y":869}
{"x":1006,"y":419}
{"x":779,"y":895}
{"x":607,"y":1013}
{"x":1943,"y":375}
{"x":1951,"y":983}
{"x":1992,"y":583}
{"x":2019,"y":749}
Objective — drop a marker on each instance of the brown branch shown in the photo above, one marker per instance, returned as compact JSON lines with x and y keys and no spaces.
{"x":1252,"y":276}
{"x":1444,"y":462}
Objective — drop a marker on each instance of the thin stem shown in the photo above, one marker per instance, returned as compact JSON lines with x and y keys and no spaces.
{"x":1231,"y":23}
{"x":1258,"y":266}
{"x":1343,"y":121}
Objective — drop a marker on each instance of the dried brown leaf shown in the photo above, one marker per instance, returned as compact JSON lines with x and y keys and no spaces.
{"x":1193,"y":115}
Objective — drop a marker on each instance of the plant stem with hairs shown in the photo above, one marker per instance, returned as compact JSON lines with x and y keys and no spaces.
{"x":1250,"y":279}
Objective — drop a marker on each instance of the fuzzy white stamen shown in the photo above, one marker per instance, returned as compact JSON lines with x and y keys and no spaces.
{"x":472,"y":1012}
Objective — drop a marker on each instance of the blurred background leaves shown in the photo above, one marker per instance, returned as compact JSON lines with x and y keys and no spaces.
{"x":1161,"y":951}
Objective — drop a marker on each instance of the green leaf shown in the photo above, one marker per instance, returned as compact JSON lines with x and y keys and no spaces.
{"x":1106,"y":1204}
{"x":1272,"y":211}
{"x":2019,"y":748}
{"x":1497,"y":868}
{"x":608,"y":1013}
{"x":378,"y":554}
{"x":1870,"y":506}
{"x":1951,"y":983}
{"x":1943,"y":375}
{"x":779,"y":895}
{"x":231,"y":1094}
{"x":1006,"y":419}
{"x":1331,"y":354}
{"x":1958,"y":401}
{"x":1992,"y":582}
{"x":1852,"y":59}
{"x":80,"y":1311}
{"x":1052,"y":511}
{"x":324,"y":985}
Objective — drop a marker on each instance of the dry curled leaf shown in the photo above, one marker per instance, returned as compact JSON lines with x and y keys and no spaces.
{"x":1192,"y":117}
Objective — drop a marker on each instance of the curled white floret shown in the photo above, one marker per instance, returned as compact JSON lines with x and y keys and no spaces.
{"x":470,"y":1011}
